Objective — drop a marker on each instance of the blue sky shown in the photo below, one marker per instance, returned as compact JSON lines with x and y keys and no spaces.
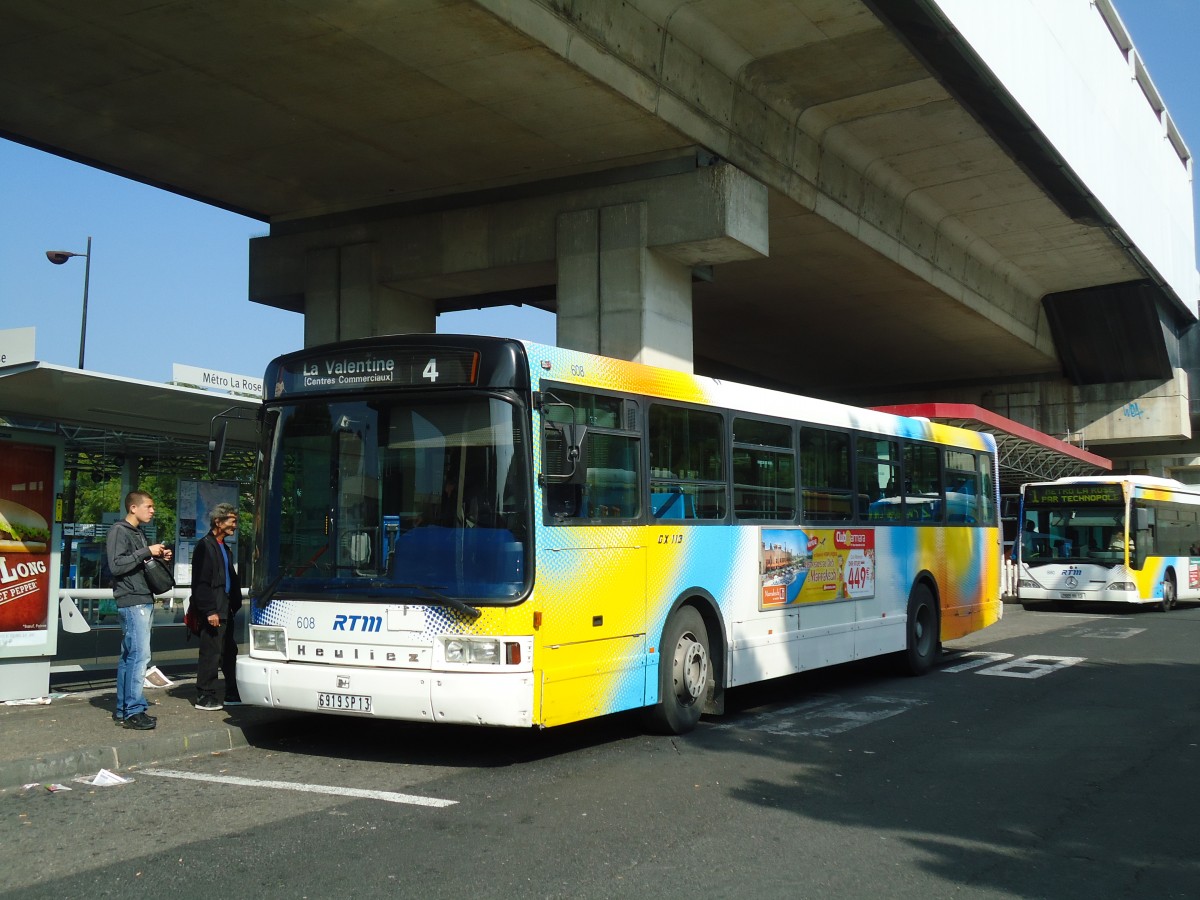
{"x":169,"y":275}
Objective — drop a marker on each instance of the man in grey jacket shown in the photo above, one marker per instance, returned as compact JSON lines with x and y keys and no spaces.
{"x":128,"y":551}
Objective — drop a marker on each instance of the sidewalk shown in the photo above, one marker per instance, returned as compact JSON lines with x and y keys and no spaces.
{"x":75,"y":735}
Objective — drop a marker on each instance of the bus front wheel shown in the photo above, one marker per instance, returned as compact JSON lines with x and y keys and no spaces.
{"x":683,"y":674}
{"x":922,"y":642}
{"x":1169,"y":594}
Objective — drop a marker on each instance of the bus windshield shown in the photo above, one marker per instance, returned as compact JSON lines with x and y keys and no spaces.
{"x":397,"y":499}
{"x":1092,"y":534}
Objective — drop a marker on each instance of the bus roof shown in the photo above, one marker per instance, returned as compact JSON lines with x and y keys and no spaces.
{"x":616,"y":375}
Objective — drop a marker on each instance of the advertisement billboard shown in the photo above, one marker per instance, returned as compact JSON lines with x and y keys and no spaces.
{"x":28,"y":589}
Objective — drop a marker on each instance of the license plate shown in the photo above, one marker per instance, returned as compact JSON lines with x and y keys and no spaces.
{"x":355,"y":702}
{"x":1071,"y":595}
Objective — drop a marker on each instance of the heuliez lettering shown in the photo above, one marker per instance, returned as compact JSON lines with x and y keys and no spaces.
{"x":350,"y":654}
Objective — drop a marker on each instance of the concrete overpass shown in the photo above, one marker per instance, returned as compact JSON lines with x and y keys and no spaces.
{"x":886,"y":201}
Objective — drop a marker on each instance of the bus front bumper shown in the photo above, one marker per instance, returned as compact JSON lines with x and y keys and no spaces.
{"x":503,"y":699}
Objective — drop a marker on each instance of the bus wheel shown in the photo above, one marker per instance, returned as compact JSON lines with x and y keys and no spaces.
{"x":683,"y":674}
{"x":1169,"y":594}
{"x":922,"y":631}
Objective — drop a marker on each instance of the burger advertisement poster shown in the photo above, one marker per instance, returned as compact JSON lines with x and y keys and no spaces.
{"x":26,"y":513}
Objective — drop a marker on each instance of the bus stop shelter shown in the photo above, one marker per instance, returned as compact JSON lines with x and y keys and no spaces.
{"x":62,"y":428}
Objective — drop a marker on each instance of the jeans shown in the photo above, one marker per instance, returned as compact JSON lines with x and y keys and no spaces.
{"x":135,"y":657}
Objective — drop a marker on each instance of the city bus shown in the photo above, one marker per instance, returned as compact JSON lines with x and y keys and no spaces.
{"x":1124,"y":539}
{"x":464,"y":529}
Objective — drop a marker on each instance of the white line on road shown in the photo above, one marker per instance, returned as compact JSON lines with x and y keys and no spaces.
{"x":388,"y":796}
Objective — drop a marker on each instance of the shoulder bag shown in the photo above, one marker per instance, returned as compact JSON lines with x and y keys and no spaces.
{"x":158,"y":576}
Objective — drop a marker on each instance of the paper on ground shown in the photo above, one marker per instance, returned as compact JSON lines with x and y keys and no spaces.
{"x":104,"y":778}
{"x":156,"y":679}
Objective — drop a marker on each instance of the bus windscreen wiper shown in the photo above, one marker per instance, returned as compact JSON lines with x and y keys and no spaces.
{"x":438,"y":597}
{"x":271,"y":588}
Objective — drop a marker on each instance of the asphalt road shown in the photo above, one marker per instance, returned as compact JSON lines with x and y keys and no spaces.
{"x":1054,"y":755}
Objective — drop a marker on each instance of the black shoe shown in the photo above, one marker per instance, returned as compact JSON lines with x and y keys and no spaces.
{"x":118,"y":719}
{"x":233,"y":700}
{"x":141,"y":722}
{"x":208,"y":704}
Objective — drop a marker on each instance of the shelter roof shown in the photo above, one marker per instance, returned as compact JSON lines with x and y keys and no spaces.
{"x":1024,"y":453}
{"x":98,"y":412}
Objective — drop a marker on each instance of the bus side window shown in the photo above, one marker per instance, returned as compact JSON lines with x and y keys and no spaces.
{"x":602,"y":485}
{"x":825,"y":476}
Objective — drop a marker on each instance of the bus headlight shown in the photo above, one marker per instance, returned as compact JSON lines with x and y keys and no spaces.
{"x":1027,"y":583}
{"x":480,"y":651}
{"x":485,"y":652}
{"x":1122,"y":586}
{"x":268,"y":640}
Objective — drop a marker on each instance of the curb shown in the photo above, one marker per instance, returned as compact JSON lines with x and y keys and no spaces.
{"x":159,"y":748}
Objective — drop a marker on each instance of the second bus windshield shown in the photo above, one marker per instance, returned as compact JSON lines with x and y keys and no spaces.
{"x":1084,"y":534}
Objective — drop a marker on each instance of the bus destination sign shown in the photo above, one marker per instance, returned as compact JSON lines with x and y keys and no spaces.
{"x":374,"y":369}
{"x":1073,"y":495}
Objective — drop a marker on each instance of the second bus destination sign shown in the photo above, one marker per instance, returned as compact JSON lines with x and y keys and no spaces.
{"x":432,"y":367}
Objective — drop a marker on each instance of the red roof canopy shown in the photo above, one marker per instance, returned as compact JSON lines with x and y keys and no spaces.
{"x":1025,"y":454}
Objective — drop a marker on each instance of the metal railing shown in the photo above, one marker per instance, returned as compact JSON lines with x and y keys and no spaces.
{"x":96,"y":608}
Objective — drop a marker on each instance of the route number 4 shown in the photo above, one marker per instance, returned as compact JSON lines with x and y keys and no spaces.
{"x":1005,"y":665}
{"x":431,"y":371}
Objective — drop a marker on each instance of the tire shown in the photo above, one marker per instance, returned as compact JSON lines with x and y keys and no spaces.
{"x":922,"y":631}
{"x":684,"y":674}
{"x":1170,"y":595}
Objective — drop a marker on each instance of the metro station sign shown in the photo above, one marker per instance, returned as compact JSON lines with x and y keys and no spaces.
{"x":216,"y":380}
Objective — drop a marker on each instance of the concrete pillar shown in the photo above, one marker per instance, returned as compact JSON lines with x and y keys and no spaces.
{"x":343,"y":298}
{"x":618,"y":297}
{"x":577,"y":322}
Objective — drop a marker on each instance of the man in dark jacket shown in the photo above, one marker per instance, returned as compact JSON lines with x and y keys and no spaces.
{"x":127,"y":550}
{"x":217,"y":596}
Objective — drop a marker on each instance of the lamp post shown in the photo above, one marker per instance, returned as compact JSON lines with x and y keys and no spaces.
{"x":58,"y":257}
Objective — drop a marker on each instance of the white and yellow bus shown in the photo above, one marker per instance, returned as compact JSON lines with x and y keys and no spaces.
{"x":1109,"y":539}
{"x":479,"y":530}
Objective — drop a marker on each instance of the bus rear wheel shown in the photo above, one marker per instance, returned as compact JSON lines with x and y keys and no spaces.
{"x":922,"y":630}
{"x":683,"y":674}
{"x":1169,"y":594}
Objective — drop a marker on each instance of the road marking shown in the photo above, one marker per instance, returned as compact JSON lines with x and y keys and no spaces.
{"x":1101,"y":632}
{"x":1031,"y":666}
{"x":388,"y":796}
{"x":825,"y":716}
{"x":977,"y":659}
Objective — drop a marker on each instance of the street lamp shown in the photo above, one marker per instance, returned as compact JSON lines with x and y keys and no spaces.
{"x":58,"y":257}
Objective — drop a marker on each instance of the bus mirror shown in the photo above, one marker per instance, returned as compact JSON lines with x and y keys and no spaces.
{"x":561,"y":463}
{"x":216,"y":446}
{"x":1141,"y":518}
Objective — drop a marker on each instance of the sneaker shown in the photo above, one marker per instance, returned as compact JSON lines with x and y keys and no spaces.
{"x":209,"y":704}
{"x":141,"y":722}
{"x":233,"y":700}
{"x":118,"y":719}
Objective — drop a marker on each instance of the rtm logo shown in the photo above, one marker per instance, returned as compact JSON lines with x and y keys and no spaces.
{"x":357,"y":623}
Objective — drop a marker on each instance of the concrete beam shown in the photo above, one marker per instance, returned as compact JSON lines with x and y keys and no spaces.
{"x":708,"y":216}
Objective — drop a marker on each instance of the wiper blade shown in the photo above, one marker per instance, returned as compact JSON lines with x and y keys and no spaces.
{"x":265,"y":597}
{"x":438,"y":597}
{"x":271,"y":588}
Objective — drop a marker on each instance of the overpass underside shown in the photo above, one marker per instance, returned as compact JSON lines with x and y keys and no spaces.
{"x":837,"y":198}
